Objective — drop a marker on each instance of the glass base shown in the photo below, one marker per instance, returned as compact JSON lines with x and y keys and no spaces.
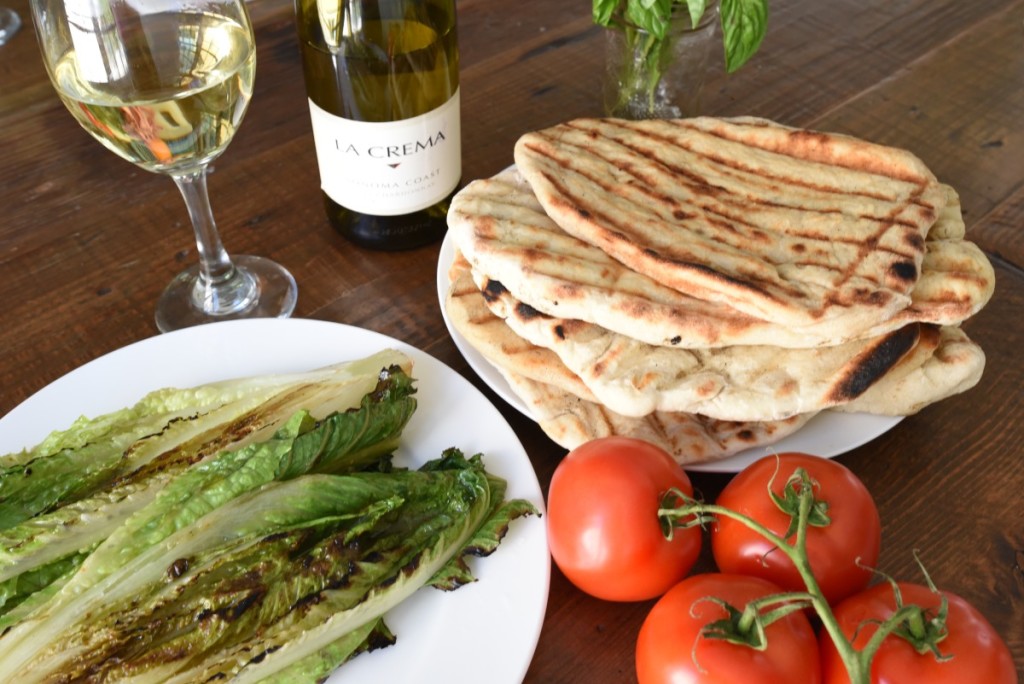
{"x":260,"y":288}
{"x":10,"y":22}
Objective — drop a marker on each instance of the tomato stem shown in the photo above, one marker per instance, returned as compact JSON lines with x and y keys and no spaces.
{"x":747,"y":627}
{"x":857,"y":663}
{"x":792,"y":498}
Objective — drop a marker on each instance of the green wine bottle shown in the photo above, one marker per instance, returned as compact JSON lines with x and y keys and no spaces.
{"x":383,"y":83}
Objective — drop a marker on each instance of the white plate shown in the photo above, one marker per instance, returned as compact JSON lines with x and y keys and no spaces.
{"x":489,"y":626}
{"x":828,"y":434}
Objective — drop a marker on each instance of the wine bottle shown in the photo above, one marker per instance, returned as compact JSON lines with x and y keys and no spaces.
{"x":382,"y":78}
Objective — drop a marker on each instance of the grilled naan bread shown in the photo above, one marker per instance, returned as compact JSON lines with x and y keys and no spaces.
{"x":571,"y":421}
{"x":729,"y":383}
{"x":709,"y":285}
{"x":504,"y":232}
{"x":895,"y":374}
{"x":945,"y":362}
{"x":785,"y":225}
{"x":567,"y":410}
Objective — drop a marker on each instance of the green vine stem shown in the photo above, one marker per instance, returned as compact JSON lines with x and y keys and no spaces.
{"x":680,"y":510}
{"x":747,"y":627}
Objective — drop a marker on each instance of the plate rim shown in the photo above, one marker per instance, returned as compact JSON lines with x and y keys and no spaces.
{"x":538,"y":578}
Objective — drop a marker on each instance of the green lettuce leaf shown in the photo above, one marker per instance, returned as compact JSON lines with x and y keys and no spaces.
{"x":115,"y":526}
{"x":259,"y":587}
{"x":94,"y":453}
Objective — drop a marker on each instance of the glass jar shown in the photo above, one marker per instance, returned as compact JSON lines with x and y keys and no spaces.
{"x":650,"y":79}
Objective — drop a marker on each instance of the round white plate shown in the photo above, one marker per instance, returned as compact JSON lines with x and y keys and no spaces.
{"x":489,"y":626}
{"x":828,"y":434}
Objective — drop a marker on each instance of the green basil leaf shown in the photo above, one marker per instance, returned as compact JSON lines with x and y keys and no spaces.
{"x":603,"y":11}
{"x":697,"y":9}
{"x":650,"y":15}
{"x":744,"y":23}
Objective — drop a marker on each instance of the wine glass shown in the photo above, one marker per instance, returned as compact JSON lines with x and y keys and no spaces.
{"x":164,"y":84}
{"x":10,"y":22}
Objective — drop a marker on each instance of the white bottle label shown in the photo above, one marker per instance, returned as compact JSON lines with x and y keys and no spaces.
{"x":389,"y":168}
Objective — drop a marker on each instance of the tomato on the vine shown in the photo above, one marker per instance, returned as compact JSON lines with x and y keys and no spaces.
{"x":672,"y":650}
{"x":603,"y":526}
{"x":840,"y":553}
{"x":976,"y":653}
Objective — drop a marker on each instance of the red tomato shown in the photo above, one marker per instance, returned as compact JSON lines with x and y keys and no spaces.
{"x":603,"y":527}
{"x":833,"y":551}
{"x":671,"y":650}
{"x":979,"y":655}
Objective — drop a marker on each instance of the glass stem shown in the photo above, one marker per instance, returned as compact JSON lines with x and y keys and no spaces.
{"x":220,"y":288}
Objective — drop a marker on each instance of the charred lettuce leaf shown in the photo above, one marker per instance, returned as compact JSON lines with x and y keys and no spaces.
{"x":170,"y":425}
{"x":279,"y":584}
{"x":148,"y":504}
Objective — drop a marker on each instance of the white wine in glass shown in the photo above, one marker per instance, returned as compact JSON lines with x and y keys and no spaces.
{"x":165,"y":84}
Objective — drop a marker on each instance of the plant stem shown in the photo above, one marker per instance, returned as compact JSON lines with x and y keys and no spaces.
{"x":857,"y":663}
{"x":641,"y":69}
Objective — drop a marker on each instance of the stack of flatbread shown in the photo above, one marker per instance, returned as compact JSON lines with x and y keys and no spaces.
{"x":711,"y":284}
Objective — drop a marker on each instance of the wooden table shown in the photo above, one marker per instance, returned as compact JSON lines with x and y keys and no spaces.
{"x":87,"y":242}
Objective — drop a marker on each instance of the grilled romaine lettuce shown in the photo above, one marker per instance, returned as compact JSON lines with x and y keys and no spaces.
{"x":173,"y":425}
{"x":279,"y":584}
{"x":190,"y":477}
{"x":193,"y":478}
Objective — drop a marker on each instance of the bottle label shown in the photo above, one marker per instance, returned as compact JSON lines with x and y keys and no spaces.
{"x":389,"y":168}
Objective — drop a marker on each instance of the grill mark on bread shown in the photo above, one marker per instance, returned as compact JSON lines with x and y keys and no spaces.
{"x":635,"y":129}
{"x":805,"y":140}
{"x":913,"y":239}
{"x":905,"y":271}
{"x":526,"y":312}
{"x":835,"y":211}
{"x":750,"y":281}
{"x":707,"y":271}
{"x":622,"y":233}
{"x":875,"y":362}
{"x":493,"y":290}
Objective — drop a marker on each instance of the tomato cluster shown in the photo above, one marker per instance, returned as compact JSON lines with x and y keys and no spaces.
{"x":621,"y":527}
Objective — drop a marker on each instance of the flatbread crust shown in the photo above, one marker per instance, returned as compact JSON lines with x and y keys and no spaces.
{"x":500,"y":227}
{"x":571,"y":421}
{"x":567,"y":410}
{"x":946,"y":363}
{"x":731,"y":383}
{"x":786,"y":225}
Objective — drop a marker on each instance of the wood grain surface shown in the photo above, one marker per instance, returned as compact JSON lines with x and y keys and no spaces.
{"x":87,"y":243}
